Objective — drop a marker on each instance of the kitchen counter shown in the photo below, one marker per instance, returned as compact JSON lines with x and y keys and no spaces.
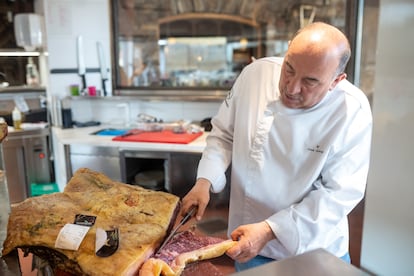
{"x":84,"y":136}
{"x":82,"y":140}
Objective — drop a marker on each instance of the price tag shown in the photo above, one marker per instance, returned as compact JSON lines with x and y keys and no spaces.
{"x":71,"y":236}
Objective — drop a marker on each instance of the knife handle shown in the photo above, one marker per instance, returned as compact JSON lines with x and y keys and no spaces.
{"x":84,"y":82}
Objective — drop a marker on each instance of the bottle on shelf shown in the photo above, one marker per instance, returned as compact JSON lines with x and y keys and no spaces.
{"x":32,"y":74}
{"x":17,"y":118}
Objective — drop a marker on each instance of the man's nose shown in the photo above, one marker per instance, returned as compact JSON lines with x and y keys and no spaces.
{"x":294,"y":86}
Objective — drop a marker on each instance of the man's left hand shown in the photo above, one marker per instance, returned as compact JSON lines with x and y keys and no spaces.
{"x":251,"y":239}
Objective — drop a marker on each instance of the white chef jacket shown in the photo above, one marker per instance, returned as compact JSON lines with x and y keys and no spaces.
{"x":301,"y":170}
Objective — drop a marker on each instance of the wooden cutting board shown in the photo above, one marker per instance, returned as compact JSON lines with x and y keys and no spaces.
{"x":165,"y":136}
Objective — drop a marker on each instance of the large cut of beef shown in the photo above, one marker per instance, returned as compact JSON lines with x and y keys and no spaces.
{"x":185,"y":248}
{"x":142,"y":218}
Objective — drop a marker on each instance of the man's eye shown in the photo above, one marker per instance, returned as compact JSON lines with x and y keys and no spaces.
{"x":289,"y":71}
{"x":311,"y":82}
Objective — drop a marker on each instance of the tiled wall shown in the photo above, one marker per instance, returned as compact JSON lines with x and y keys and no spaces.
{"x":112,"y":112}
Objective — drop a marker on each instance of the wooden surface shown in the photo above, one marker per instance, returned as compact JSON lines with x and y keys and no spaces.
{"x":355,"y":233}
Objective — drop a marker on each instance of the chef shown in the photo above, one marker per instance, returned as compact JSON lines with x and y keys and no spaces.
{"x":297,"y":135}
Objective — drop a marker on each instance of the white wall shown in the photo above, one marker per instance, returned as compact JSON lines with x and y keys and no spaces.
{"x":388,"y":229}
{"x":65,"y":20}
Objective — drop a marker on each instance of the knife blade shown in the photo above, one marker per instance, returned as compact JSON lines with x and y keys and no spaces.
{"x":131,"y":132}
{"x":183,"y":221}
{"x":81,"y":62}
{"x":102,"y":65}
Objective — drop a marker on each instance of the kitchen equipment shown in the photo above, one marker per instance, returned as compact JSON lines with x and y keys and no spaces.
{"x":102,"y":65}
{"x":102,"y":159}
{"x":165,"y":136}
{"x":26,"y":155}
{"x":183,"y":221}
{"x":74,"y":89}
{"x":92,"y":90}
{"x":110,"y":132}
{"x":67,"y":121}
{"x":81,"y":63}
{"x":29,"y":30}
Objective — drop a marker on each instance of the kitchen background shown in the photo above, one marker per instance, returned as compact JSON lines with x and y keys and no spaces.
{"x":66,"y":20}
{"x":130,"y":33}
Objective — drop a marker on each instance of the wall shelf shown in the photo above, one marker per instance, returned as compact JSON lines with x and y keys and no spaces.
{"x":192,"y":95}
{"x":20,"y":53}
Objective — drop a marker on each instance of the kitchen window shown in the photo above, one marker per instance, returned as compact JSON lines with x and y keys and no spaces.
{"x":196,"y":46}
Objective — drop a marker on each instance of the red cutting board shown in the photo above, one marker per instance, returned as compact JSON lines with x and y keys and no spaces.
{"x":165,"y":136}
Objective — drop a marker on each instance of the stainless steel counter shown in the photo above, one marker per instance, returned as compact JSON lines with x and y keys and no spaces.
{"x":315,"y":263}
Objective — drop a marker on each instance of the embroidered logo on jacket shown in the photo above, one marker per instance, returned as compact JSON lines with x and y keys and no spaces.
{"x":317,"y":149}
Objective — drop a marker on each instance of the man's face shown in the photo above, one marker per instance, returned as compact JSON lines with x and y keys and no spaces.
{"x":307,"y":75}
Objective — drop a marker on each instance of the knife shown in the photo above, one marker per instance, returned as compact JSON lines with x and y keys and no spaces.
{"x":183,"y":221}
{"x":102,"y":65}
{"x":81,"y":63}
{"x":131,"y":132}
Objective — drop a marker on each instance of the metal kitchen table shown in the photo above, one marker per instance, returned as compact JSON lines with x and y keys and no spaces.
{"x":314,"y":263}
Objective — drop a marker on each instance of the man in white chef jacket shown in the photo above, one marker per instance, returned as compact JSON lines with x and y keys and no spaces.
{"x":297,"y":135}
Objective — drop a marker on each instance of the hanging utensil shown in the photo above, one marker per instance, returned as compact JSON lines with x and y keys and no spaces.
{"x":102,"y":65}
{"x":81,"y":63}
{"x":307,"y":14}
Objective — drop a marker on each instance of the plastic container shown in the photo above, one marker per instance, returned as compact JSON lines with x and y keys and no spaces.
{"x":38,"y":189}
{"x":92,"y":91}
{"x":17,"y":118}
{"x":74,"y":89}
{"x":29,"y":30}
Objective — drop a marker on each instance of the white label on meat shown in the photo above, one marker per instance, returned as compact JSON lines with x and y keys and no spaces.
{"x":71,"y":236}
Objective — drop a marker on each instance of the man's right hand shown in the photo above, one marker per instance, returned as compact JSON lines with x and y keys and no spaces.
{"x":198,"y":196}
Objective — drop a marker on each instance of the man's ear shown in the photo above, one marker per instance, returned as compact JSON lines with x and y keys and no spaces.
{"x":337,"y":79}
